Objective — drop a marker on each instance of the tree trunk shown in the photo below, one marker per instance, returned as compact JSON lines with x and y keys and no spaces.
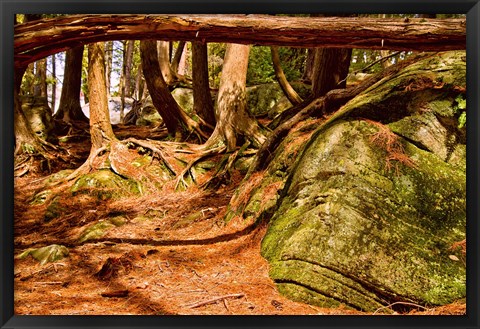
{"x":282,"y":79}
{"x":40,"y":88}
{"x":233,"y":119}
{"x":25,"y":139}
{"x":128,"y":68}
{"x":178,"y":56}
{"x":330,"y":70}
{"x":100,"y":128}
{"x":69,"y":109}
{"x":202,"y":99}
{"x":308,"y":72}
{"x":54,"y":84}
{"x":177,"y":121}
{"x":139,"y":82}
{"x":419,"y":34}
{"x":164,"y":62}
{"x":108,"y":65}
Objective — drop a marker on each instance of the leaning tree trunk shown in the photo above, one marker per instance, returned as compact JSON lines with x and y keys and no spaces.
{"x":70,"y":109}
{"x":418,"y":34}
{"x":233,"y":118}
{"x":178,"y":57}
{"x":287,"y":89}
{"x":178,"y":123}
{"x":202,"y":99}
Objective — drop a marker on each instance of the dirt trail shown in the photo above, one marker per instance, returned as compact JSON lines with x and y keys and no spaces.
{"x":175,"y":255}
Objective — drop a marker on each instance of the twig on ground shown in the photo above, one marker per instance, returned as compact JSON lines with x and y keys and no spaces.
{"x":402,"y":303}
{"x":214,"y":300}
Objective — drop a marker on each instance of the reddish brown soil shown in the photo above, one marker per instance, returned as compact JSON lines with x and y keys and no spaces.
{"x":168,"y":264}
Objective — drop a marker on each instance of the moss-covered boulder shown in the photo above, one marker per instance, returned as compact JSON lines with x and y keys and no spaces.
{"x":105,"y":184}
{"x":377,"y":197}
{"x":46,"y":254}
{"x":267,"y":99}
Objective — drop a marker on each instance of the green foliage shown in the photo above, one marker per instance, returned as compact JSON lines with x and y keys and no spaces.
{"x":260,"y":67}
{"x":216,"y":53}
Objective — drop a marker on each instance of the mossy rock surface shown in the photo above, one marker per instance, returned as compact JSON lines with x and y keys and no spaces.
{"x":356,"y":226}
{"x":46,"y":254}
{"x":105,"y":184}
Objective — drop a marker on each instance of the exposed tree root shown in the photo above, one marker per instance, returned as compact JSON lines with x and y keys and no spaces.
{"x":156,"y":152}
{"x":202,"y":155}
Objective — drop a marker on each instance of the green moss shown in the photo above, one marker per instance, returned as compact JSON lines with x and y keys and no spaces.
{"x":41,"y":197}
{"x":105,"y":184}
{"x":54,"y":209}
{"x":46,"y":254}
{"x":385,"y":231}
{"x":95,"y":231}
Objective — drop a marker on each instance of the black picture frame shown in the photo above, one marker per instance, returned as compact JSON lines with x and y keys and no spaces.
{"x":9,"y":7}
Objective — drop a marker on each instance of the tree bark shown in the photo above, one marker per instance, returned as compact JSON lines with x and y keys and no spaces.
{"x":308,"y":72}
{"x":54,"y":84}
{"x":233,"y":119}
{"x":128,"y":68}
{"x":178,"y":56}
{"x":330,"y":70}
{"x":164,"y":62}
{"x":202,"y":99}
{"x":291,"y":94}
{"x":177,"y":121}
{"x":101,"y":131}
{"x":108,"y":64}
{"x":40,"y":87}
{"x":69,"y":109}
{"x":35,"y":40}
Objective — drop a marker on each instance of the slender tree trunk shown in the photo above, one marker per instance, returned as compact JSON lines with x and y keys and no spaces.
{"x":178,"y":56}
{"x":233,"y":118}
{"x":54,"y":84}
{"x":282,"y":79}
{"x":202,"y":99}
{"x":40,"y":89}
{"x":69,"y":108}
{"x":139,"y":83}
{"x":108,"y":64}
{"x":128,"y":67}
{"x":100,"y":128}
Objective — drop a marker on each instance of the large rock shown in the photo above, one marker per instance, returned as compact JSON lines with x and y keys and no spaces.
{"x":377,"y":198}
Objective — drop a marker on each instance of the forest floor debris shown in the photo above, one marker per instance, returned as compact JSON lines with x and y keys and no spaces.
{"x":136,"y":269}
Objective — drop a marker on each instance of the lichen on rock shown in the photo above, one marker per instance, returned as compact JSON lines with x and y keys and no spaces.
{"x":360,"y":226}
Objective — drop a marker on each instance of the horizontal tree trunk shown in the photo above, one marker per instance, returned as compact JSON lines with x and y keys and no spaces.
{"x":38,"y":39}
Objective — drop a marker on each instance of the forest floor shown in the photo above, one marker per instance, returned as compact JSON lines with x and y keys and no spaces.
{"x":175,"y":255}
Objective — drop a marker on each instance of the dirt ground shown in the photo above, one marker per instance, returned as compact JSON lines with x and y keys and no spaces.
{"x":174,"y":256}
